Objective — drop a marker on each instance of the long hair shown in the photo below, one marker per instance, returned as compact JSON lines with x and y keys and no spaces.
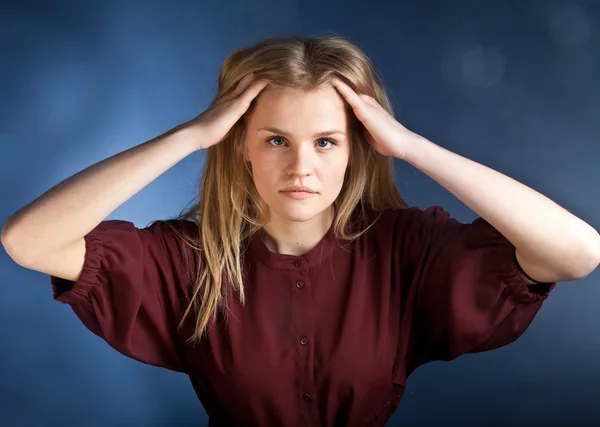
{"x":230,"y":211}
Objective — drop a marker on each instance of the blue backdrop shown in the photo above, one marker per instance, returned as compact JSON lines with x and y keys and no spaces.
{"x":511,"y":84}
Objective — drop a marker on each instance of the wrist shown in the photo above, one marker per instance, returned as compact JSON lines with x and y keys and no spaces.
{"x":190,"y":135}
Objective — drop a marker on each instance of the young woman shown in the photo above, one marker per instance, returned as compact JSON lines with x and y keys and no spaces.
{"x":301,"y":289}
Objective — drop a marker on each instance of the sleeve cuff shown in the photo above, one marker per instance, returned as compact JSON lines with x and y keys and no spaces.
{"x":68,"y":291}
{"x":521,"y":269}
{"x":517,"y":287}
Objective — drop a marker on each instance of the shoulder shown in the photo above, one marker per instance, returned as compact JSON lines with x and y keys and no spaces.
{"x":408,"y":230}
{"x":409,"y":218}
{"x":180,"y":240}
{"x":173,"y":230}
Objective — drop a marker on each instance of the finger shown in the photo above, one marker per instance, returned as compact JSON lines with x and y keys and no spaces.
{"x":349,"y":95}
{"x":239,"y":87}
{"x":243,"y":84}
{"x":251,"y":92}
{"x":369,"y":99}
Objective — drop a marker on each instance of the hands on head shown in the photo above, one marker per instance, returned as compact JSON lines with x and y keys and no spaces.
{"x":215,"y":122}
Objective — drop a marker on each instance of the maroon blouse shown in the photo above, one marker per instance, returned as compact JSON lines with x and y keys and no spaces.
{"x":325,"y":339}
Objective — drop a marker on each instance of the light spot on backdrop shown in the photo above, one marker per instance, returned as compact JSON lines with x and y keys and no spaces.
{"x":482,"y":66}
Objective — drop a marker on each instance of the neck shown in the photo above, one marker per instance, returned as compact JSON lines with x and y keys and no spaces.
{"x":296,"y":238}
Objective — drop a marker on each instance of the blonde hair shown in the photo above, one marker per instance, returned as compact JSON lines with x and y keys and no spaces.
{"x":230,"y":211}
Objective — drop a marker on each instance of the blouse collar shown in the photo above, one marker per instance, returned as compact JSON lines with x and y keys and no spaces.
{"x":258,"y":252}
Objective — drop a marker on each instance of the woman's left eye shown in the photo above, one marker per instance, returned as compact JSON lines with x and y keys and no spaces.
{"x":327,"y":140}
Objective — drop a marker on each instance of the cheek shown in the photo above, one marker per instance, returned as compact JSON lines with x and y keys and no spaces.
{"x":333,"y":173}
{"x":257,"y":158}
{"x":268,"y":163}
{"x":265,"y":169}
{"x":337,"y":165}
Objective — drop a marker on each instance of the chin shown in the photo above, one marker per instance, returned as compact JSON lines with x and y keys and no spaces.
{"x":299,"y":213}
{"x":300,"y":216}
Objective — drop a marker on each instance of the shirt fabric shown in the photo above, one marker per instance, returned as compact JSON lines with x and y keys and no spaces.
{"x":327,"y":338}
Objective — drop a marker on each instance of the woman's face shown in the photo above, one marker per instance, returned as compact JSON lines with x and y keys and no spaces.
{"x":297,"y":137}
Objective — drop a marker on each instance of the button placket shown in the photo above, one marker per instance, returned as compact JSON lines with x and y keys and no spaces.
{"x":299,"y":263}
{"x":303,"y":331}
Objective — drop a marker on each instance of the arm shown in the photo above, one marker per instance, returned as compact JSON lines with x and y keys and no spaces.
{"x":552,"y":245}
{"x":77,"y":205}
{"x":62,"y":216}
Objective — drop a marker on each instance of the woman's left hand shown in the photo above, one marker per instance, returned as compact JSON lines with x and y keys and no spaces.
{"x":384,"y":133}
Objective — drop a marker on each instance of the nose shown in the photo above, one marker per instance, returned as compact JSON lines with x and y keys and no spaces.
{"x":301,"y":161}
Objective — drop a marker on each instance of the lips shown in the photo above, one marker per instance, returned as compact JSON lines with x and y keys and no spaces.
{"x":298,"y":189}
{"x":298,"y":195}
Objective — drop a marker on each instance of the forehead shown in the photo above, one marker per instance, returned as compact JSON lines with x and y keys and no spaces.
{"x":306,"y":108}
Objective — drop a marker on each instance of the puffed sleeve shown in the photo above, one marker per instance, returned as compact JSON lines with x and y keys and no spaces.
{"x":131,"y":289}
{"x":463,"y":289}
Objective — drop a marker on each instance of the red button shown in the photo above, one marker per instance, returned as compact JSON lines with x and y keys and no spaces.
{"x":307,"y":397}
{"x":304,"y":340}
{"x":298,"y":263}
{"x":299,"y":284}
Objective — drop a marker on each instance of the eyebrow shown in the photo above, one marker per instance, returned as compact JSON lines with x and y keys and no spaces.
{"x":282,"y":132}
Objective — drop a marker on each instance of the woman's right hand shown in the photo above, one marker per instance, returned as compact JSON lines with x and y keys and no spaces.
{"x":212,"y":125}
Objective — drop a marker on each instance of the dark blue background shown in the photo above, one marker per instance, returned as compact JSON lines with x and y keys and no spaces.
{"x":511,"y":84}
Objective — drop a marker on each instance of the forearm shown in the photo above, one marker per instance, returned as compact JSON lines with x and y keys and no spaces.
{"x":78,"y":204}
{"x":562,"y":245}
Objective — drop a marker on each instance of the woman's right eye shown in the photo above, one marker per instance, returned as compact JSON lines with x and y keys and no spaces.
{"x":274,"y":138}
